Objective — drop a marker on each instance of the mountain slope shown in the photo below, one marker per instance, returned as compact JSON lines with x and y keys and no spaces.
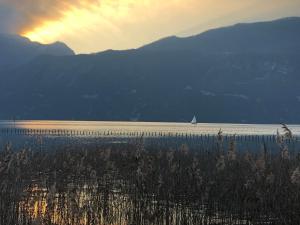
{"x":17,"y":50}
{"x":163,"y":84}
{"x":279,"y":36}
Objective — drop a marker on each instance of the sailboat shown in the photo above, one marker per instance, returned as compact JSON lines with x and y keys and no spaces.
{"x":194,"y":121}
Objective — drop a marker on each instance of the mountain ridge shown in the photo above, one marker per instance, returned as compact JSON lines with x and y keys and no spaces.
{"x":17,"y":50}
{"x":161,"y":84}
{"x":213,"y":38}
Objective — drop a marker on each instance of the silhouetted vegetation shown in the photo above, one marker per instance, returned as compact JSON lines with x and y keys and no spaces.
{"x":133,"y":184}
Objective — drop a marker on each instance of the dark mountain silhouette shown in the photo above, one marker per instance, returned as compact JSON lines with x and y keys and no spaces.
{"x":280,"y":36}
{"x":16,"y":50}
{"x":170,"y":80}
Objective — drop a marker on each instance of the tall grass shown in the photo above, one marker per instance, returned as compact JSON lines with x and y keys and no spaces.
{"x":133,"y":184}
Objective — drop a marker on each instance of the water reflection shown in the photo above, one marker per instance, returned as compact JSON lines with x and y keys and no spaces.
{"x":85,"y":205}
{"x":148,"y":127}
{"x":82,"y":205}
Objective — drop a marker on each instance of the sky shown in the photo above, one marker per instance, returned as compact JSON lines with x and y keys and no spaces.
{"x":89,"y":26}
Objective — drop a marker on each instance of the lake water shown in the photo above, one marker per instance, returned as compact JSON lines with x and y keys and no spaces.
{"x":149,"y":128}
{"x":52,"y":134}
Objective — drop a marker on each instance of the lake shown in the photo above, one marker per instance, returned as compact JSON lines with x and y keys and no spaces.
{"x":56,"y":134}
{"x":149,"y":128}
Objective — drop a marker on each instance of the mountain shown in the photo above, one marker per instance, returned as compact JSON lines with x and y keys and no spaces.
{"x":279,"y":36}
{"x":169,"y":80}
{"x":17,"y":50}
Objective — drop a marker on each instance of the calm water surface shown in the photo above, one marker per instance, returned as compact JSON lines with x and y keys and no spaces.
{"x":150,"y":127}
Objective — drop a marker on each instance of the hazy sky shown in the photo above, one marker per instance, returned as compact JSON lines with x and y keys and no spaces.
{"x":95,"y":25}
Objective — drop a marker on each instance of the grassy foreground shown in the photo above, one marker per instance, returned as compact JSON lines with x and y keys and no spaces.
{"x":128,"y":184}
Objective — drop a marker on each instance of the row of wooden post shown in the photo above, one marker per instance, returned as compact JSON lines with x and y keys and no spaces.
{"x":124,"y":134}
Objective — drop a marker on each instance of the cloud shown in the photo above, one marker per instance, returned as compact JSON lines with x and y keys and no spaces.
{"x":23,"y":15}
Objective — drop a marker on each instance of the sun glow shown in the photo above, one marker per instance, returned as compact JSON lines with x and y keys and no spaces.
{"x":94,"y":25}
{"x":79,"y":20}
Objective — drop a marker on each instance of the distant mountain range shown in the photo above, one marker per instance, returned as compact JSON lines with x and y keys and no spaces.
{"x":246,"y":73}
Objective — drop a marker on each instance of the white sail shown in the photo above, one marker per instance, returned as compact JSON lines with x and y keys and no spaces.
{"x":194,"y":121}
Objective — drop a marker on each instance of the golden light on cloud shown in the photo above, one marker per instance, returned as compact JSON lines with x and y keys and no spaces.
{"x":49,"y":31}
{"x":79,"y":19}
{"x":95,"y":25}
